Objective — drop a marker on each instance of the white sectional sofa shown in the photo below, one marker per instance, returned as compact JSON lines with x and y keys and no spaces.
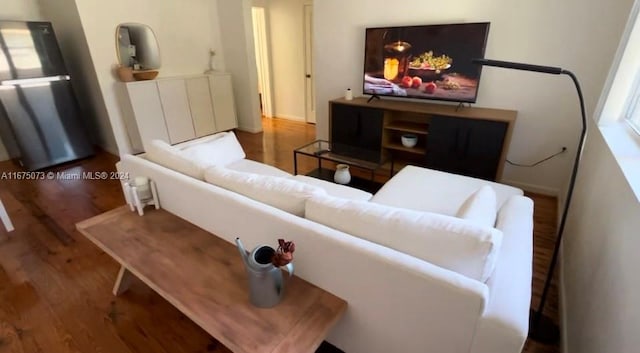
{"x":433,"y":262}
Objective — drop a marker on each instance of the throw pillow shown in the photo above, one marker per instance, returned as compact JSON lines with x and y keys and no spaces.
{"x":284,"y":193}
{"x":220,"y":151}
{"x":170,"y":157}
{"x":480,"y":207}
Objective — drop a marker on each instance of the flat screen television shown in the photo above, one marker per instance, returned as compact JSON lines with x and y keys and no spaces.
{"x":425,"y":62}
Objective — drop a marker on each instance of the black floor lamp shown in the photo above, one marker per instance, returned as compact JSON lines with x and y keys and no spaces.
{"x":541,"y":328}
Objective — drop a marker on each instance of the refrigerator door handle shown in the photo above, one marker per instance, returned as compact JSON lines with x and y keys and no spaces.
{"x":28,"y":81}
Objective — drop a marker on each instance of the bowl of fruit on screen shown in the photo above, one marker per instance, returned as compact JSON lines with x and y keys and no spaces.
{"x":429,"y":67}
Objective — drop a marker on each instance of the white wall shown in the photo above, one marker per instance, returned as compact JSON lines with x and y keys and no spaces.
{"x":286,"y":19}
{"x":184,"y":31}
{"x":20,"y":10}
{"x":600,"y":258}
{"x":73,"y":44}
{"x":236,"y":35}
{"x":579,"y":35}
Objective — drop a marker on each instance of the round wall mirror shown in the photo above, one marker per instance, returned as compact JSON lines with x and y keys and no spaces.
{"x":137,"y":47}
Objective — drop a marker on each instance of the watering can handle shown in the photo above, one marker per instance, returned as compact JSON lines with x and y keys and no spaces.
{"x":289,"y":268}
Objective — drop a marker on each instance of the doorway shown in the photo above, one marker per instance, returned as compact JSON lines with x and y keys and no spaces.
{"x":310,"y":94}
{"x":262,"y":60}
{"x":283,"y":37}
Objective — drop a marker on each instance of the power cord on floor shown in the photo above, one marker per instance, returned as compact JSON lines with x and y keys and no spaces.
{"x":564,"y":149}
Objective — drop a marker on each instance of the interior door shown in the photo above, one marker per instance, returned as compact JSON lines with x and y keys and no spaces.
{"x":310,"y":94}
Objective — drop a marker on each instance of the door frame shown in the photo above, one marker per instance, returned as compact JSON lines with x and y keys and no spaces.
{"x":309,"y":80}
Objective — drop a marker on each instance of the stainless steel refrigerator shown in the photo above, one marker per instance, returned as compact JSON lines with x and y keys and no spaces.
{"x":40,"y":121}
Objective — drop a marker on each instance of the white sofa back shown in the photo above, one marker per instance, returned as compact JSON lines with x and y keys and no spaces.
{"x":396,"y":302}
{"x":446,"y":241}
{"x":283,"y":193}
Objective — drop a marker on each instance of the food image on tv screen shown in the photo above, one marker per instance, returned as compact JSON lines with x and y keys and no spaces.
{"x":428,"y":62}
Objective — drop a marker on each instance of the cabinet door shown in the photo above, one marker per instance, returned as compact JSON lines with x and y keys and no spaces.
{"x":147,"y":114}
{"x":224,"y":108}
{"x":356,"y":131}
{"x":465,"y":146}
{"x":201,"y":107}
{"x":177,"y":113}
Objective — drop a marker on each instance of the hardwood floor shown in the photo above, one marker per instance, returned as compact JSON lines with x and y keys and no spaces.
{"x":55,"y":286}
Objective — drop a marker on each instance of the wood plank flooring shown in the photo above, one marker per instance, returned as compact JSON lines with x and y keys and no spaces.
{"x":55,"y":286}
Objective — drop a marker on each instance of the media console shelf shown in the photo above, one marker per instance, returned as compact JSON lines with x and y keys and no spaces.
{"x":395,"y":129}
{"x":470,"y":141}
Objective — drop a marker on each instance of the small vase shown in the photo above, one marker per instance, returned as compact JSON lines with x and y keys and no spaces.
{"x":342,"y":175}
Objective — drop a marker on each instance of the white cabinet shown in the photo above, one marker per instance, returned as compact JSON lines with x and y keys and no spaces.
{"x":200,"y":101}
{"x":224,"y":107}
{"x":178,"y":109}
{"x":177,"y":112}
{"x":144,"y":116}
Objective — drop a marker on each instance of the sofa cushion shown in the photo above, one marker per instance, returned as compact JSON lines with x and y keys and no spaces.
{"x":171,"y":157}
{"x":423,"y":189}
{"x":480,"y":207}
{"x":444,"y":241}
{"x":336,"y":190}
{"x":284,"y":193}
{"x":219,"y":151}
{"x":249,"y":166}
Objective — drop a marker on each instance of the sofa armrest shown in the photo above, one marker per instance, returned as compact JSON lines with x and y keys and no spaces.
{"x":505,"y":323}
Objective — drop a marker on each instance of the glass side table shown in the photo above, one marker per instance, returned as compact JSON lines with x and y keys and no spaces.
{"x":324,"y":150}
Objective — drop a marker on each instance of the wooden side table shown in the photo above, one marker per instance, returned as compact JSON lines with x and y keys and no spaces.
{"x":4,"y":216}
{"x":204,"y":277}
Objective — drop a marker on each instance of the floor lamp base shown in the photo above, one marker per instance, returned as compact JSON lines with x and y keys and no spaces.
{"x":544,"y":331}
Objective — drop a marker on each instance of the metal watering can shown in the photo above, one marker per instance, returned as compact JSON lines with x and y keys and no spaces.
{"x":266,"y":282}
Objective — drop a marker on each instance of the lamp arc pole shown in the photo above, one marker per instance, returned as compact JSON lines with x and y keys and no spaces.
{"x":541,"y":328}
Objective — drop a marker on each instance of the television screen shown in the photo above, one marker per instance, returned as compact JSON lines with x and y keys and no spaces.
{"x":427,"y":62}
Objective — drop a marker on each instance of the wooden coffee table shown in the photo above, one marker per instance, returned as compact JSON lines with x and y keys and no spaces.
{"x":203,"y":276}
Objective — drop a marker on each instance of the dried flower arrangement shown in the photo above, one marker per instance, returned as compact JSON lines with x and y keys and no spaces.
{"x":284,"y":253}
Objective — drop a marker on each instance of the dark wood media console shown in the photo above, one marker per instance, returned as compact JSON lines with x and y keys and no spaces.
{"x":467,"y":140}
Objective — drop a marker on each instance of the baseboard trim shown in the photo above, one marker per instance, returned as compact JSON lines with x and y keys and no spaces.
{"x":289,"y":117}
{"x":250,"y":129}
{"x":537,"y":189}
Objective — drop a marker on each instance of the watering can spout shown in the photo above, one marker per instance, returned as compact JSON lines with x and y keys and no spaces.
{"x":243,"y":252}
